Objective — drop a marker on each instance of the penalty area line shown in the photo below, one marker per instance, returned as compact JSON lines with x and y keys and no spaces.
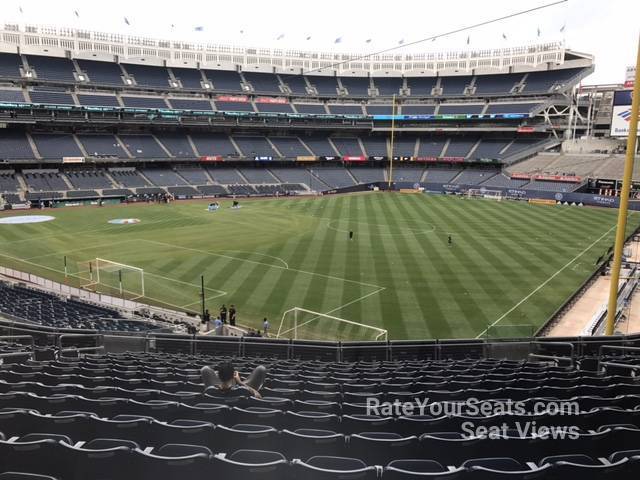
{"x":535,"y":290}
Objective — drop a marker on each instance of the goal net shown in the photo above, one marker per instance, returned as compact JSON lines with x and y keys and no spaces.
{"x":485,"y":193}
{"x":302,"y":324}
{"x":114,"y":278}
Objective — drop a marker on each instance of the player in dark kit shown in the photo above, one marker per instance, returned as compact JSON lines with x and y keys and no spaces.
{"x":350,"y":235}
{"x":223,"y":313}
{"x":450,"y":240}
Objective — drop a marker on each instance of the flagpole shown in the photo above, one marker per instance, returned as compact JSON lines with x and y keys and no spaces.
{"x":624,"y":199}
{"x":393,"y":125}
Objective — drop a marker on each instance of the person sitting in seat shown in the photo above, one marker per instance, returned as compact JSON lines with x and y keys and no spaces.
{"x":226,"y":379}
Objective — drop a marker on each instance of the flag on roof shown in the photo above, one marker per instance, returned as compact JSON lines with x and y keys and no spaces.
{"x":309,"y":37}
{"x":199,"y":28}
{"x":401,"y":42}
{"x":75,"y":12}
{"x":368,"y":40}
{"x":538,"y":31}
{"x":504,"y":37}
{"x":338,"y":40}
{"x":126,"y":20}
{"x":280,"y":37}
{"x":468,"y":40}
{"x":562,"y":28}
{"x":20,"y":9}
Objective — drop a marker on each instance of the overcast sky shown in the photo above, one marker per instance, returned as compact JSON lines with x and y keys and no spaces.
{"x":608,"y":29}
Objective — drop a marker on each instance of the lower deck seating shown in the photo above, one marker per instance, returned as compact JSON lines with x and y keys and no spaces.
{"x":50,"y":310}
{"x":148,"y":416}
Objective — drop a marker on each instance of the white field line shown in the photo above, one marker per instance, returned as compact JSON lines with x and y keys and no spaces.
{"x":534,"y":291}
{"x":205,"y":252}
{"x":68,"y":252}
{"x":378,"y":288}
{"x":337,"y":308}
{"x":186,"y":305}
{"x":286,"y":265}
{"x":74,"y":232}
{"x":77,"y":275}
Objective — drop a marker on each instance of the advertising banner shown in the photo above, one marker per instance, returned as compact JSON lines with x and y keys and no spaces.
{"x":233,"y":98}
{"x":271,"y":100}
{"x":621,"y":113}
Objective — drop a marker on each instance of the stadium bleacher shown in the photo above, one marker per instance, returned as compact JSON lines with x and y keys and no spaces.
{"x":147,"y":75}
{"x":98,"y":100}
{"x":274,"y":107}
{"x":337,"y":109}
{"x":10,"y":65}
{"x":347,"y":146}
{"x":128,"y":178}
{"x":421,"y":86}
{"x":190,"y":104}
{"x":356,"y":86}
{"x":224,"y":80}
{"x":11,"y":96}
{"x":102,"y":145}
{"x":51,"y":145}
{"x":52,"y":68}
{"x":52,"y":97}
{"x":310,"y":108}
{"x":105,"y":73}
{"x":144,"y":102}
{"x":158,"y":420}
{"x":264,"y":83}
{"x":388,"y":86}
{"x":143,"y":146}
{"x":326,"y":86}
{"x":88,"y":179}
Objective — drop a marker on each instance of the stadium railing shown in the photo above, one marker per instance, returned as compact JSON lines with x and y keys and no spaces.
{"x":556,"y":349}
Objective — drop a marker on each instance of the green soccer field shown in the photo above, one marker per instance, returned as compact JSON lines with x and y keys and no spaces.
{"x":510,"y":264}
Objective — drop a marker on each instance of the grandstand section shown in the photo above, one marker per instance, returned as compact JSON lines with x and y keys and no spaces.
{"x":222,"y":261}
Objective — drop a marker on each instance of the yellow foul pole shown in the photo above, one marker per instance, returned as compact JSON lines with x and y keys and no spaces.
{"x":624,"y":200}
{"x":393,"y":125}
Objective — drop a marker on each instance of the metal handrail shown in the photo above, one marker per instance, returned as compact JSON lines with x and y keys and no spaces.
{"x":17,"y":354}
{"x":19,"y":337}
{"x":98,"y":336}
{"x":99,"y":348}
{"x":615,"y":364}
{"x":618,"y":365}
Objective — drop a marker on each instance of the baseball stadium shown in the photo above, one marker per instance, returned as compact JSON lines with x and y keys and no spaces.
{"x":283,"y":261}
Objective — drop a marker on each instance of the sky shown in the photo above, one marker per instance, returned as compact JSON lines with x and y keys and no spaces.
{"x":607,"y":29}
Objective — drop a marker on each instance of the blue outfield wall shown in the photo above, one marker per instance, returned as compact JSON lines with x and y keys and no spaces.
{"x":571,"y":197}
{"x":448,"y":188}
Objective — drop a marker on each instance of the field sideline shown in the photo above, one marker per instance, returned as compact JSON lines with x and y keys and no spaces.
{"x":510,"y":263}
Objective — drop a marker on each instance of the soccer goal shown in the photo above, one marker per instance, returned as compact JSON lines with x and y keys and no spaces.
{"x":302,"y":324}
{"x":484,"y":193}
{"x":114,"y":278}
